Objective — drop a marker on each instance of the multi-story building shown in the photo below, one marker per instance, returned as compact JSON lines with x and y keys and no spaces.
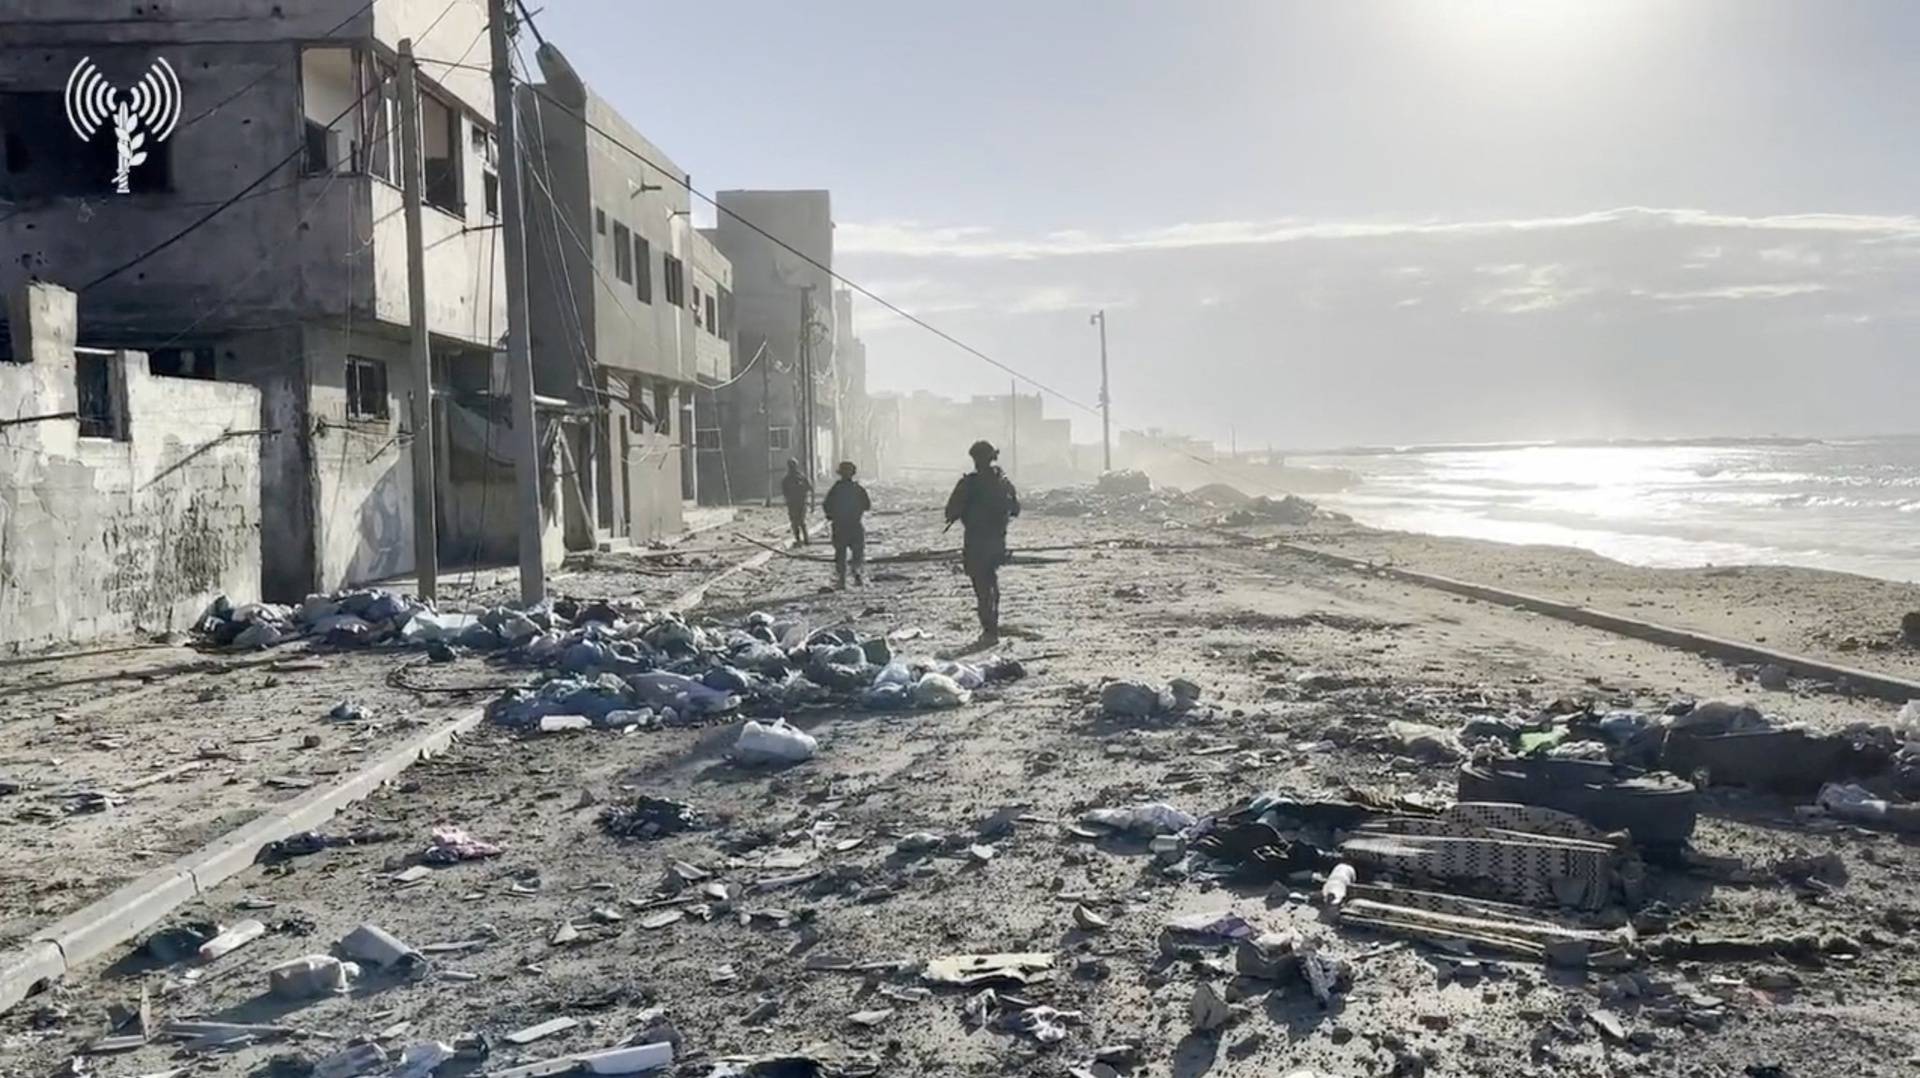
{"x":782,"y":294}
{"x":261,"y":239}
{"x":629,"y":307}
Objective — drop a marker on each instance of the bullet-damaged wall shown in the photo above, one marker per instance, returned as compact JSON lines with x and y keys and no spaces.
{"x":135,"y":531}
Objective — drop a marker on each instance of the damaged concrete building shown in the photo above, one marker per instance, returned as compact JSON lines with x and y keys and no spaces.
{"x":780,"y":244}
{"x":262,"y":242}
{"x":630,"y":308}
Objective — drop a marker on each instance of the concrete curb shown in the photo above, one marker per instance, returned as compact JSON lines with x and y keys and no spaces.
{"x":1885,"y":686}
{"x":106,"y":923}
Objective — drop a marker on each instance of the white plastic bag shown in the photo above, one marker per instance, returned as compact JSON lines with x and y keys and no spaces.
{"x":939,"y":690}
{"x":776,"y":742}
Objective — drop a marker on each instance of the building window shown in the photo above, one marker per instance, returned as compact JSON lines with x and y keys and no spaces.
{"x":662,"y":408}
{"x":713,"y":325}
{"x":675,"y":280}
{"x":351,"y":112}
{"x":779,"y":439}
{"x":487,"y":148}
{"x":643,"y":268}
{"x":696,"y":307}
{"x":366,"y":389}
{"x":707,"y":439}
{"x":622,"y":253}
{"x":440,"y":151}
{"x":725,"y":331}
{"x":40,"y":157}
{"x":100,"y":403}
{"x":599,"y":221}
{"x":181,"y":362}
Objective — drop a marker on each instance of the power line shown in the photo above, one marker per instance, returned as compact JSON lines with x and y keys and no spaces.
{"x":810,"y":260}
{"x":855,"y":285}
{"x":223,"y":206}
{"x":271,"y":69}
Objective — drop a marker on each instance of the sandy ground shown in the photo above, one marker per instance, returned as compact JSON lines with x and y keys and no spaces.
{"x":1838,"y":617}
{"x":1245,"y":625}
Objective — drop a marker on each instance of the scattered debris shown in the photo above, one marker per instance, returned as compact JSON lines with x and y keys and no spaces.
{"x":311,"y":977}
{"x":451,"y":845}
{"x":231,"y":939}
{"x":975,"y":970}
{"x":651,"y":817}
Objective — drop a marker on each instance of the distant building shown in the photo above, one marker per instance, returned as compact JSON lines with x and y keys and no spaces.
{"x":764,"y":417}
{"x":924,"y":435}
{"x":630,"y":310}
{"x":298,"y":287}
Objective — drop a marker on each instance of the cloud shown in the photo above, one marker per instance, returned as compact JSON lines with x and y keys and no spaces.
{"x":915,"y":240}
{"x":1619,"y":322}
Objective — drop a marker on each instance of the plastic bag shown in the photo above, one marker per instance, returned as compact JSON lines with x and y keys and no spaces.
{"x":939,"y":691}
{"x":774,"y":743}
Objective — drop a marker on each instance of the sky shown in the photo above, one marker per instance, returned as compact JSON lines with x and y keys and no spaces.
{"x":1323,"y":224}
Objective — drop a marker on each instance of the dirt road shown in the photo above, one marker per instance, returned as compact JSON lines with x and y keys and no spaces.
{"x":811,"y":861}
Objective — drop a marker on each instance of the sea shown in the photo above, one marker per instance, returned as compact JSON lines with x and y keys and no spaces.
{"x":1851,"y":505}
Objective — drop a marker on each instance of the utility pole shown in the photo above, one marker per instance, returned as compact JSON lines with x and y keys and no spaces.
{"x":526,"y":439}
{"x":766,"y":413}
{"x":805,"y":404}
{"x":1099,"y":318}
{"x":426,"y":534}
{"x":1013,"y":428}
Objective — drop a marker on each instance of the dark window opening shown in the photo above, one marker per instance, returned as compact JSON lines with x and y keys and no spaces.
{"x":713,"y":325}
{"x":440,"y":153}
{"x":707,"y":438}
{"x":181,"y":362}
{"x":725,"y":332}
{"x":43,"y":159}
{"x":366,"y":389}
{"x":96,"y":408}
{"x":675,"y":283}
{"x":600,"y":222}
{"x":663,"y":409}
{"x":780,"y":439}
{"x":697,"y":324}
{"x":622,"y":253}
{"x":643,"y":268}
{"x":487,"y":148}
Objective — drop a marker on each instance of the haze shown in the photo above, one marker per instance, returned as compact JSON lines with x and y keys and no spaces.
{"x":1321,"y":224}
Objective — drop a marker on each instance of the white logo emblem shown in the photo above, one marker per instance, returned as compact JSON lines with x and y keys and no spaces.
{"x":150,"y":109}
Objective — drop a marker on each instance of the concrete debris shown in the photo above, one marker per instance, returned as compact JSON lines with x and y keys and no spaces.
{"x":311,"y":977}
{"x":350,"y":1062}
{"x":378,"y":948}
{"x":1207,"y":1011}
{"x":231,"y":939}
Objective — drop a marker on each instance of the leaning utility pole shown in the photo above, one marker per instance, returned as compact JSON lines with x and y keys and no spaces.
{"x":426,"y":534}
{"x":1099,"y":318}
{"x":526,"y":438}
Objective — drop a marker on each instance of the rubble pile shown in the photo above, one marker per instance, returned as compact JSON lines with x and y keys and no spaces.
{"x":1290,"y":510}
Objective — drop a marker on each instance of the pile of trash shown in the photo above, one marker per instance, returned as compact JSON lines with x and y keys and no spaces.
{"x":344,"y":618}
{"x":657,"y":670}
{"x":1290,"y":510}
